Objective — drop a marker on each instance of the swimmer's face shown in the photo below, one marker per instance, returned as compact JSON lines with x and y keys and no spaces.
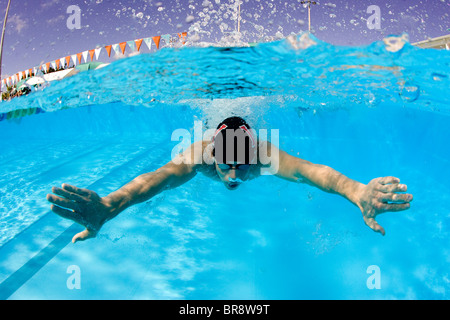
{"x":232,"y":174}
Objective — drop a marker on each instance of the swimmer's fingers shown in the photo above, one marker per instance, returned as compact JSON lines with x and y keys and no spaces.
{"x":66,"y":209}
{"x":62,"y":202}
{"x":76,"y":190}
{"x":67,"y":194}
{"x":388,"y":180}
{"x":389,"y":188}
{"x":68,"y":214}
{"x":84,"y":235}
{"x":395,"y":198}
{"x":372,"y":224}
{"x":393,"y":207}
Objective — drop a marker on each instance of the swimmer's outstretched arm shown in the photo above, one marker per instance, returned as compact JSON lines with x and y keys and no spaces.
{"x":378,"y":196}
{"x":92,"y":211}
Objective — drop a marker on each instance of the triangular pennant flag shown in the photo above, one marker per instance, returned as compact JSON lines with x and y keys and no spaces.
{"x":148,"y":42}
{"x":54,"y":65}
{"x":30,"y":72}
{"x":97,"y":53}
{"x":26,"y":74}
{"x":122,"y":46}
{"x":138,"y":43}
{"x":132,"y":45}
{"x":108,"y":49}
{"x":116,"y":48}
{"x":23,"y":75}
{"x":85,"y":55}
{"x":67,"y":61}
{"x":57,"y":63}
{"x":166,"y":38}
{"x":182,"y":36}
{"x":74,"y":59}
{"x":91,"y":54}
{"x":79,"y":55}
{"x":47,"y":66}
{"x":156,"y":41}
{"x":62,"y":61}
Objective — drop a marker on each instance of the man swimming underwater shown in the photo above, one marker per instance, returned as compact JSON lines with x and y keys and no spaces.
{"x":222,"y":159}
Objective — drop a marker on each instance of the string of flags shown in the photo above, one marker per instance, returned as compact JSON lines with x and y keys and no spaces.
{"x":76,"y":59}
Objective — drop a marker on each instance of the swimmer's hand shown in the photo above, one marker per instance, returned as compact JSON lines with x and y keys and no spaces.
{"x":379,"y":196}
{"x":82,"y":206}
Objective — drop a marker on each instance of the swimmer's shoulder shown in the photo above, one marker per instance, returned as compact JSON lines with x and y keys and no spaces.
{"x":199,"y":154}
{"x":205,"y":159}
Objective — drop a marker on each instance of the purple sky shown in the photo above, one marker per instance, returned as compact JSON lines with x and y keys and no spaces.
{"x":37,"y":30}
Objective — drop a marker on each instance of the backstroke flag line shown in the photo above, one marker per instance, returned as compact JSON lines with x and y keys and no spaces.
{"x":76,"y":59}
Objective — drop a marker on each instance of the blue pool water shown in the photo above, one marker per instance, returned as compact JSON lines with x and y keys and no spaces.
{"x":365,"y":111}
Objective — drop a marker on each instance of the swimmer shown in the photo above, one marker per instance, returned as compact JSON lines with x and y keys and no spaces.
{"x":224,"y":160}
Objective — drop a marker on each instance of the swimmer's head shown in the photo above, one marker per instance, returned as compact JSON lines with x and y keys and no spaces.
{"x":234,"y":152}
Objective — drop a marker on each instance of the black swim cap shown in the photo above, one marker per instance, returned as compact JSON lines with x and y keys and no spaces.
{"x":234,"y":141}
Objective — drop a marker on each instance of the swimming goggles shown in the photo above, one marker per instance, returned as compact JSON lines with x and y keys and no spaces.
{"x":225,"y":166}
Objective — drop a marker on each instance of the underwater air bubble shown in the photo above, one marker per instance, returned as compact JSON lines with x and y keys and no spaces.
{"x":410,"y":92}
{"x":371,"y":99}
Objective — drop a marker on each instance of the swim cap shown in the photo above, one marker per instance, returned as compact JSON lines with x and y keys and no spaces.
{"x":234,"y":141}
